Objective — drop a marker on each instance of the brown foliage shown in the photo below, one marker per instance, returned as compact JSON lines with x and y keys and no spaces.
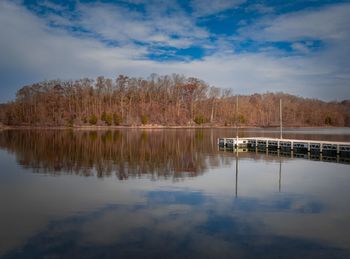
{"x":166,"y":100}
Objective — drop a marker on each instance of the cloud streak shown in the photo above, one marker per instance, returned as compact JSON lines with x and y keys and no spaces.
{"x":202,"y":8}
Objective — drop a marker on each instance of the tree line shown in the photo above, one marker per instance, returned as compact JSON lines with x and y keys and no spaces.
{"x":163,"y":100}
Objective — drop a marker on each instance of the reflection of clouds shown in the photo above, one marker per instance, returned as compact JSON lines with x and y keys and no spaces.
{"x":29,"y":203}
{"x":175,"y":224}
{"x":114,"y":225}
{"x":176,"y":197}
{"x":162,"y":210}
{"x":283,"y":203}
{"x":326,"y":228}
{"x":187,"y":216}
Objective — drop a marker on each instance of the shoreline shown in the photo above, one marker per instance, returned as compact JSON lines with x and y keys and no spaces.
{"x":6,"y":127}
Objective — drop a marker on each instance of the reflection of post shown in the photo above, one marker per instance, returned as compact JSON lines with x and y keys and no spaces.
{"x":237,"y":119}
{"x":280,"y":174}
{"x":236,"y":190}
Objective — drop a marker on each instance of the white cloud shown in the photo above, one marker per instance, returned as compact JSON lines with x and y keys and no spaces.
{"x":31,"y":51}
{"x":300,"y":47}
{"x":152,"y":27}
{"x":205,"y":8}
{"x":328,"y":23}
{"x":111,"y":22}
{"x":325,"y":67}
{"x":51,"y":5}
{"x":261,"y":8}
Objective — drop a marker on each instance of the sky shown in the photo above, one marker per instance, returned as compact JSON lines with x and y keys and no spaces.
{"x":297,"y":47}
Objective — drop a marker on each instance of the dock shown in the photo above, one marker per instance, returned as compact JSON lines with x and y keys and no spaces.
{"x":288,"y":145}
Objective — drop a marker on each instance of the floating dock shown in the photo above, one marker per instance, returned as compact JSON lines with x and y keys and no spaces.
{"x":296,"y":145}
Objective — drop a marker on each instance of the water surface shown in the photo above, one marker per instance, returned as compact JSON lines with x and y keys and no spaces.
{"x":168,"y":193}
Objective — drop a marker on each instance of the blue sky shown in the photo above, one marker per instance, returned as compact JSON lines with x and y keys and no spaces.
{"x":298,"y":47}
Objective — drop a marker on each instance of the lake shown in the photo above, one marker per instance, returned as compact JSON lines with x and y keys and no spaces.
{"x":169,"y":193}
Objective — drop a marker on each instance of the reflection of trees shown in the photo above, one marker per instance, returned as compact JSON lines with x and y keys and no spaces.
{"x":127,"y":153}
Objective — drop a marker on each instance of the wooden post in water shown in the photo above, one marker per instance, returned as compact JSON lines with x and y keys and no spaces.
{"x":280,"y":118}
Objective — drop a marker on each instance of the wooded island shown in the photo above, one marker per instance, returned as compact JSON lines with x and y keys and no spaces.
{"x":170,"y":100}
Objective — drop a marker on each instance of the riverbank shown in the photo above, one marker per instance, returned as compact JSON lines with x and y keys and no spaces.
{"x":153,"y":126}
{"x":3,"y":127}
{"x":123,"y":127}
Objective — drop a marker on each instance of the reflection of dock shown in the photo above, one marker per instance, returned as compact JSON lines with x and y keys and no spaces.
{"x":316,"y":156}
{"x":313,"y":147}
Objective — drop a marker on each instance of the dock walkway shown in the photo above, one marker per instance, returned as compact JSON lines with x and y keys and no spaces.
{"x":313,"y":146}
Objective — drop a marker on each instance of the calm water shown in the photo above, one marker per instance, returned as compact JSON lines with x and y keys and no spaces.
{"x":168,"y":194}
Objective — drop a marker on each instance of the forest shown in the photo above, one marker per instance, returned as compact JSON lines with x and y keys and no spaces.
{"x":168,"y":100}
